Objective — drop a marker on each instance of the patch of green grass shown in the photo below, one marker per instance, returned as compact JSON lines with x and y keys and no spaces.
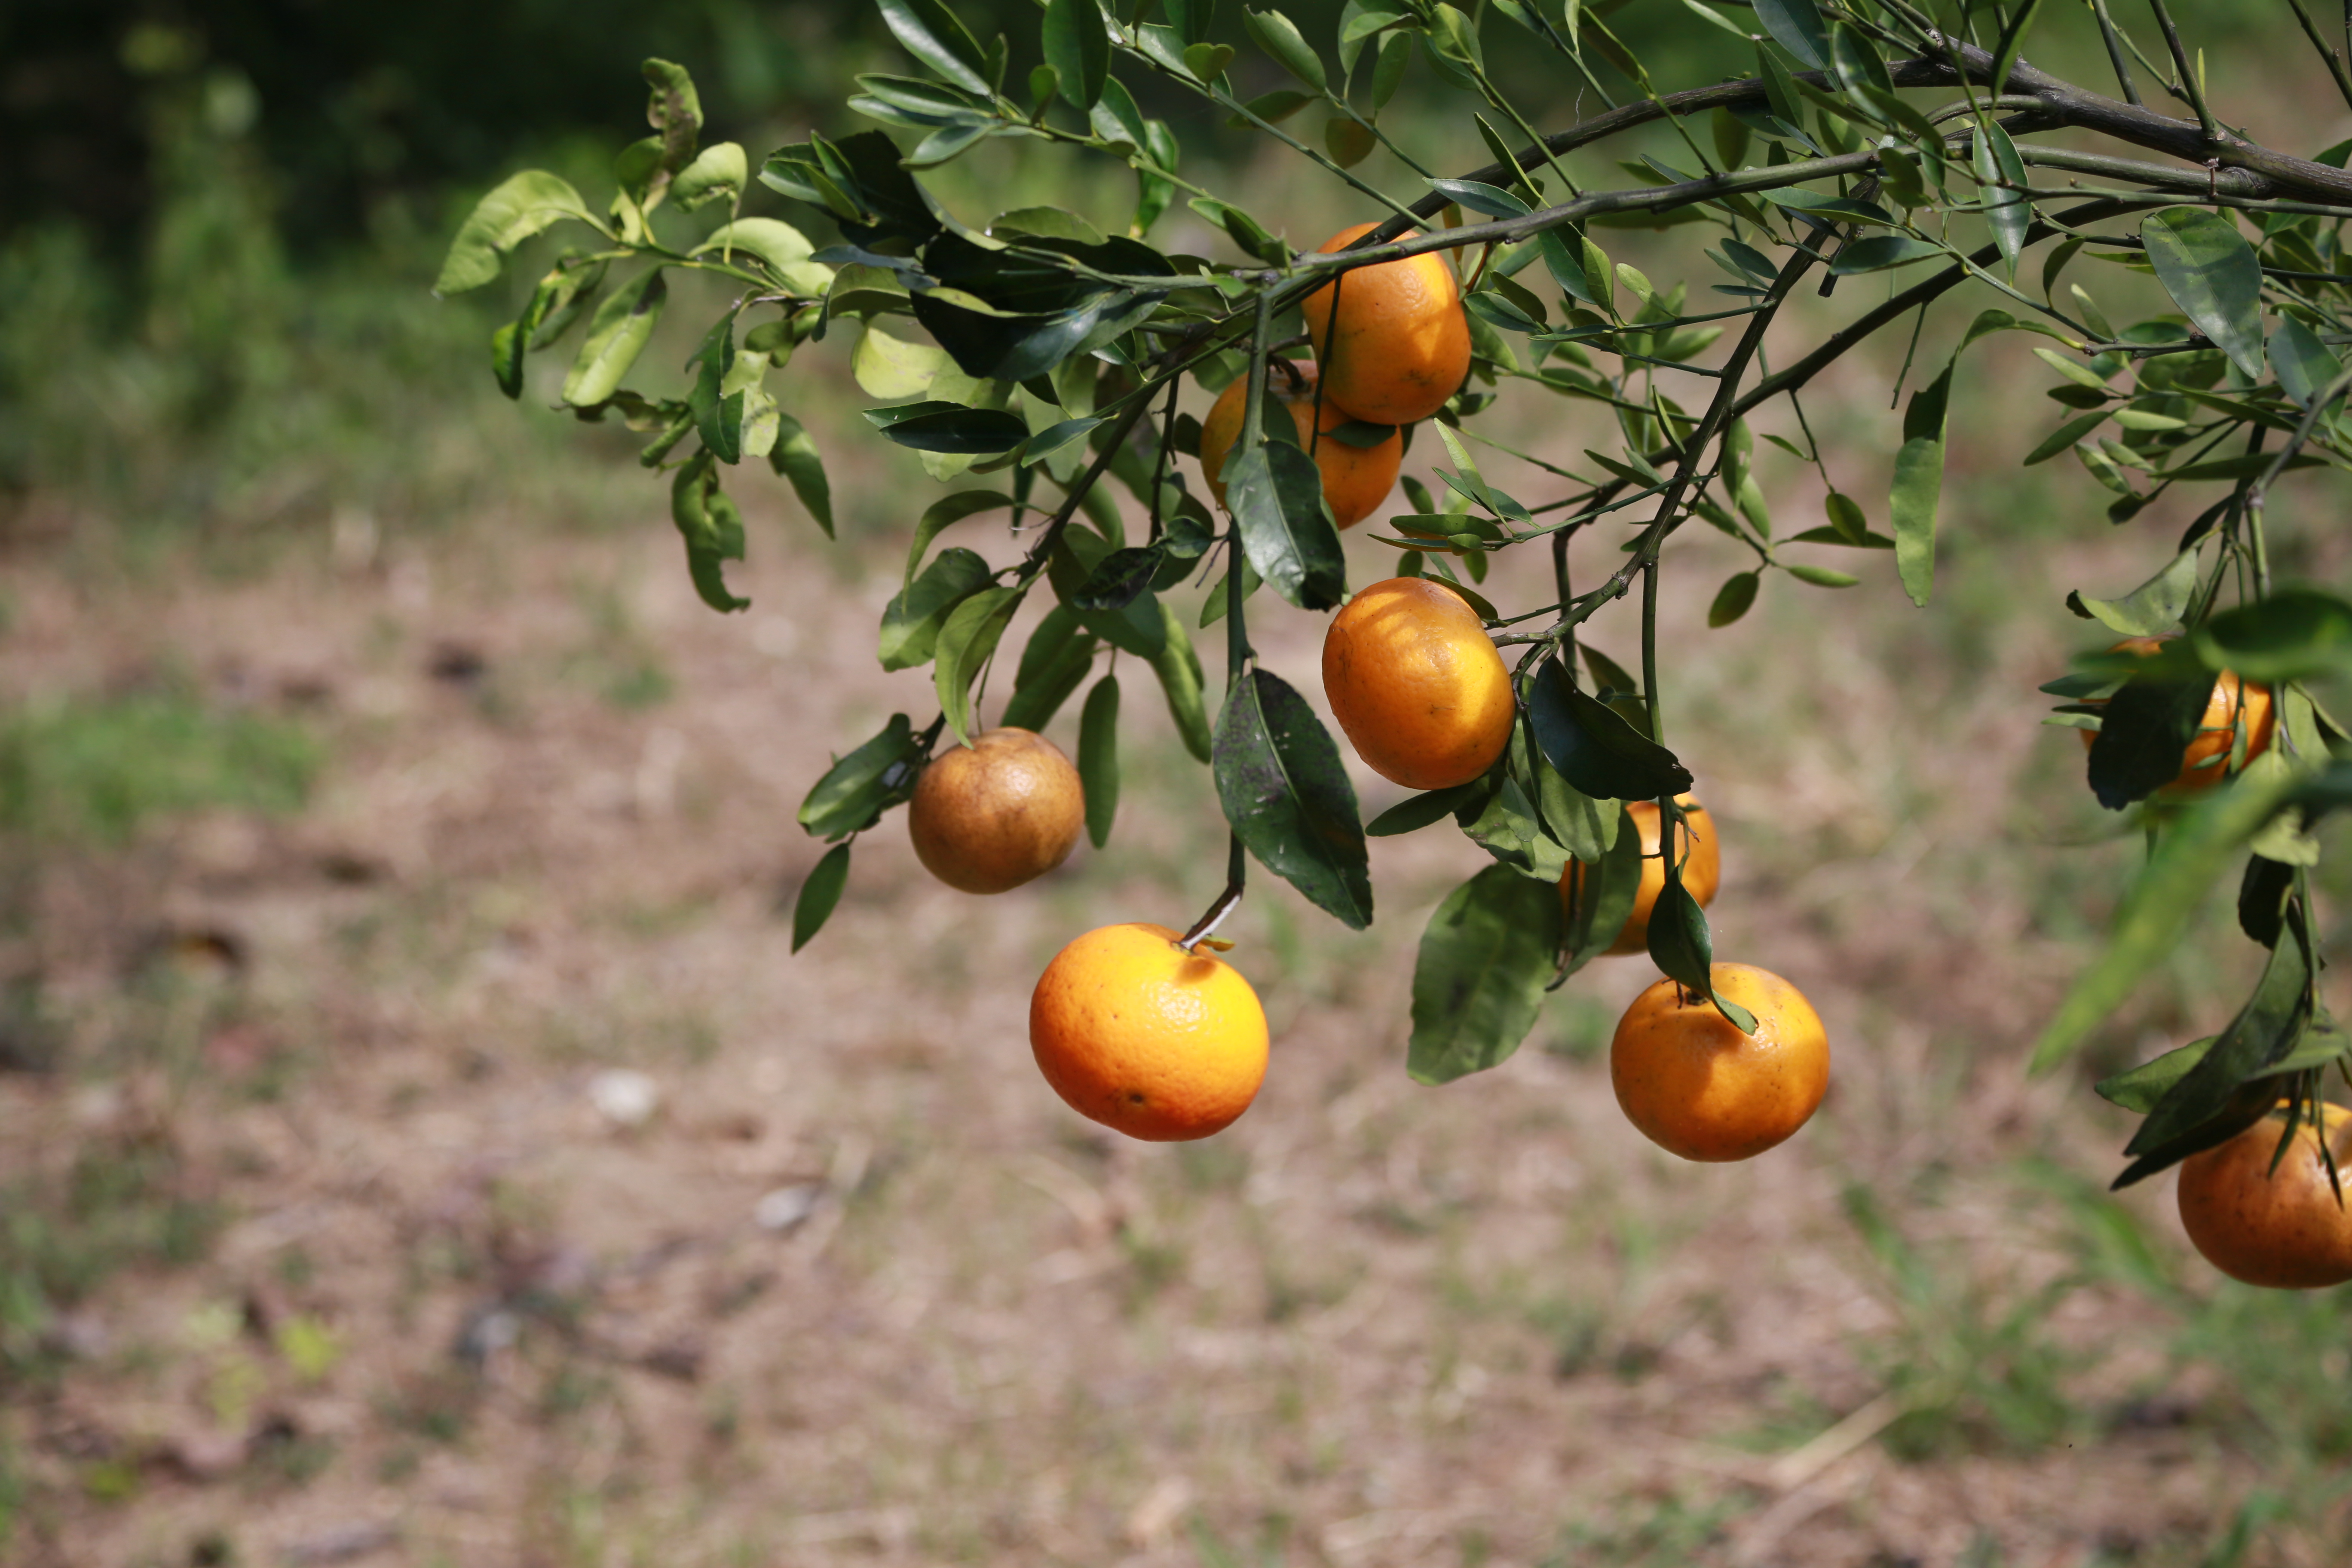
{"x":1665,"y":1533}
{"x":94,"y":769}
{"x":1969,"y":1358}
{"x":116,"y":1207}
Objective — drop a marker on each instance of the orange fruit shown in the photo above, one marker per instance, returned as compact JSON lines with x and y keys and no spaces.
{"x":991,"y":816}
{"x":2283,"y":1228}
{"x":1702,"y":871}
{"x":1141,"y":1036}
{"x":1400,"y":346}
{"x":2207,"y":760}
{"x":1356,"y":480}
{"x":1696,"y":1087}
{"x":1416,"y":684}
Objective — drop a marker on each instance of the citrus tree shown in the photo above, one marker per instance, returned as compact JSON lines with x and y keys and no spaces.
{"x":1041,"y":356}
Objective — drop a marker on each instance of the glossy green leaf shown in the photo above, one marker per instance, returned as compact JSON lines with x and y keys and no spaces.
{"x":1178,"y":665}
{"x":1059,"y":654}
{"x":2213,"y":275}
{"x":2143,"y":735}
{"x":1821,"y":576}
{"x":1288,"y":796}
{"x":912,"y":620}
{"x":795,"y":458}
{"x":1919,"y":487}
{"x":1683,"y":950}
{"x":1478,"y":981}
{"x":1602,"y":897}
{"x":1416,"y":812}
{"x":1279,"y":36}
{"x":1596,"y":750}
{"x":857,"y":788}
{"x":965,"y":643}
{"x":1877,"y":252}
{"x":2000,"y":172}
{"x":1078,"y":46}
{"x":718,"y":174}
{"x":2139,"y":1088}
{"x":2155,"y":605}
{"x":717,"y":413}
{"x":1733,"y":599}
{"x":517,"y":209}
{"x":940,"y":426}
{"x":2264,"y":1030}
{"x":2304,"y":365}
{"x":712,"y":526}
{"x":1276,"y":494}
{"x":2293,"y":635}
{"x":1099,"y":755}
{"x":935,"y":36}
{"x":819,"y":894}
{"x":617,"y":333}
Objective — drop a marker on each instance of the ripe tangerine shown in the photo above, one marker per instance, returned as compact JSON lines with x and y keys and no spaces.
{"x":2285,"y":1228}
{"x":1702,"y":870}
{"x":1698,"y":1087}
{"x":2207,"y":760}
{"x":1402,"y":344}
{"x":1145,"y":1037}
{"x":1356,"y":480}
{"x":1416,"y":684}
{"x":989,"y":816}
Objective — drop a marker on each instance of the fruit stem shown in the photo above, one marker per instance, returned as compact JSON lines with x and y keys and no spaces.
{"x":1236,"y":883}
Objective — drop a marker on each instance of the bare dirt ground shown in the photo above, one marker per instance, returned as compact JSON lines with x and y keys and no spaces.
{"x":546,"y":1210}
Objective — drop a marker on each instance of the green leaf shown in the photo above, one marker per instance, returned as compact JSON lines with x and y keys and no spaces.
{"x":934,"y":34}
{"x":1180,"y":680}
{"x":1278,"y":35}
{"x":555,"y":303}
{"x":940,"y":426}
{"x":2154,"y":606}
{"x":943,"y":514}
{"x":1478,"y":981}
{"x":522,"y":206}
{"x":675,"y":112}
{"x":775,"y":245}
{"x":2012,"y":39}
{"x":1078,"y":46}
{"x":1491,"y":200}
{"x":819,"y":894}
{"x":1288,"y":795}
{"x":1880,"y":251}
{"x":1683,"y":950}
{"x":855,"y":791}
{"x":971,"y":634}
{"x":1207,"y":62}
{"x":1603,"y":899}
{"x":1276,"y":494}
{"x":912,"y":620}
{"x":617,"y":333}
{"x":2144,"y":733}
{"x":2262,"y":896}
{"x":712,"y":527}
{"x":718,"y":174}
{"x":1416,"y":812}
{"x":2264,"y":1030}
{"x":718,"y":414}
{"x":1509,"y":827}
{"x":1348,"y":140}
{"x":1099,"y":755}
{"x":2161,"y":903}
{"x":1733,"y":599}
{"x":1595,"y":749}
{"x":1796,"y":26}
{"x":1918,"y":485}
{"x":2065,"y":436}
{"x":2215,"y":278}
{"x":892,"y":368}
{"x":795,"y":458}
{"x":2293,"y":635}
{"x":2139,"y":1089}
{"x":2009,"y":212}
{"x":1059,"y":654}
{"x":2304,"y":365}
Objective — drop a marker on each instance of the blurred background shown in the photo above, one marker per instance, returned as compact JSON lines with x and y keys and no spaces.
{"x":417,"y":1146}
